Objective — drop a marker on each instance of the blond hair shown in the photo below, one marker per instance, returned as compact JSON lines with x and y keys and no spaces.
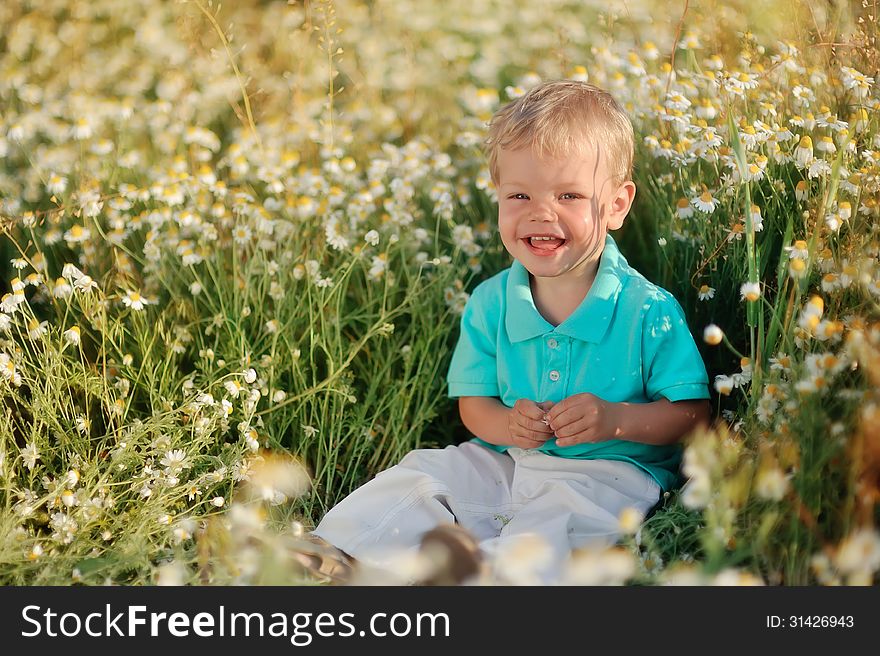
{"x":560,"y":118}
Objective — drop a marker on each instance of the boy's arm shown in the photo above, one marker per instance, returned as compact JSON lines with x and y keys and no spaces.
{"x":659,"y":422}
{"x":587,"y":418}
{"x":492,"y":421}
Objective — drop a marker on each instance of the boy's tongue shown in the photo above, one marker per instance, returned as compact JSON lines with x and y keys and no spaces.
{"x":546,"y":244}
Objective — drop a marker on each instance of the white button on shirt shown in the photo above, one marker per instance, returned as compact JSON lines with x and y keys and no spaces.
{"x":552,"y":343}
{"x":554,"y":375}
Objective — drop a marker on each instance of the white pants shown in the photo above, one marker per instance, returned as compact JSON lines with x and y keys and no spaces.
{"x":567,"y":503}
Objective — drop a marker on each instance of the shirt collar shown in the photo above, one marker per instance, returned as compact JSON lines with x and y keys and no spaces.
{"x":591,"y":318}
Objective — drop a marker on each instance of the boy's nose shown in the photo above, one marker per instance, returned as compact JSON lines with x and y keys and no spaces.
{"x":543,"y":214}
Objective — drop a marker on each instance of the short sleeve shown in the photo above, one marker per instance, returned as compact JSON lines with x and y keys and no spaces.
{"x":672,"y":366}
{"x":473,"y":370}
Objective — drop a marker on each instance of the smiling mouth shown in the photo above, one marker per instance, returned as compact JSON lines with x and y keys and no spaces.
{"x":543,"y":245}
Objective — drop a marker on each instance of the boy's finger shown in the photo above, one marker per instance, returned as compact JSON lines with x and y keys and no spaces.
{"x":534,"y":425}
{"x":557,"y":408}
{"x":531,"y":410}
{"x":532,"y":436}
{"x":576,"y":427}
{"x":565,"y":417}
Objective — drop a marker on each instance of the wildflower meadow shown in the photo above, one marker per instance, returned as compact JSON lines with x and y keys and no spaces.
{"x":236,"y":241}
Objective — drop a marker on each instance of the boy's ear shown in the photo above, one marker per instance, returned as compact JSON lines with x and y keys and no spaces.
{"x":620,"y":204}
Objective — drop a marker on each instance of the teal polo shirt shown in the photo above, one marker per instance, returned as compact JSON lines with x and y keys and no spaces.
{"x":627,"y":341}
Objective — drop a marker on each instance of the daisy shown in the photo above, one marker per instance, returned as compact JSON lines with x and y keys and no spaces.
{"x":818,"y":168}
{"x":10,"y":302}
{"x":241,"y":234}
{"x":135,"y":301}
{"x":705,"y":202}
{"x":77,"y":234}
{"x":714,"y":63}
{"x":8,"y":370}
{"x":859,"y":120}
{"x":233,"y":387}
{"x":749,"y":137}
{"x":52,"y":236}
{"x":83,"y":424}
{"x":712,"y":334}
{"x":771,"y":483}
{"x":797,"y":268}
{"x":73,"y":335}
{"x":706,"y":110}
{"x":750,"y":291}
{"x":85,"y":283}
{"x":377,"y":269}
{"x":683,"y":208}
{"x":372,"y":238}
{"x":57,"y":184}
{"x":833,"y":221}
{"x":811,"y":384}
{"x":783,"y":134}
{"x":711,"y":139}
{"x":757,"y":219}
{"x":30,"y":455}
{"x":747,"y":80}
{"x":803,"y":154}
{"x":858,"y":82}
{"x":826,"y":145}
{"x":68,"y":498}
{"x":798,"y":250}
{"x":81,"y":129}
{"x":737,"y":231}
{"x":706,"y":292}
{"x":723,"y":384}
{"x":190,"y":257}
{"x":848,"y":273}
{"x":830,"y":282}
{"x":175,"y":460}
{"x":37,"y":329}
{"x":251,"y":440}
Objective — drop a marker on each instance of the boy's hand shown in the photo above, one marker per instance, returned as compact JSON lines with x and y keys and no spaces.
{"x":526,"y":427}
{"x":583,"y":418}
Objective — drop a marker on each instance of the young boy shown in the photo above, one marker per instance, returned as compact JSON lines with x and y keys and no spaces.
{"x":577,"y":376}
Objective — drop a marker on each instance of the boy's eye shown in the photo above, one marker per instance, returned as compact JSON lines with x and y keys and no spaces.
{"x":570,"y":196}
{"x":520,"y":197}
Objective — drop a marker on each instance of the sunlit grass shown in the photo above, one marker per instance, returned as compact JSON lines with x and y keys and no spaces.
{"x":234,"y":235}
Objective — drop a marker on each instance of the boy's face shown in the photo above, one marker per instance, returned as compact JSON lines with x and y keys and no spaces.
{"x":553,"y":213}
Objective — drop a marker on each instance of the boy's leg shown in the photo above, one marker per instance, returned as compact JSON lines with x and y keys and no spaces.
{"x":466,"y":484}
{"x":572,"y":503}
